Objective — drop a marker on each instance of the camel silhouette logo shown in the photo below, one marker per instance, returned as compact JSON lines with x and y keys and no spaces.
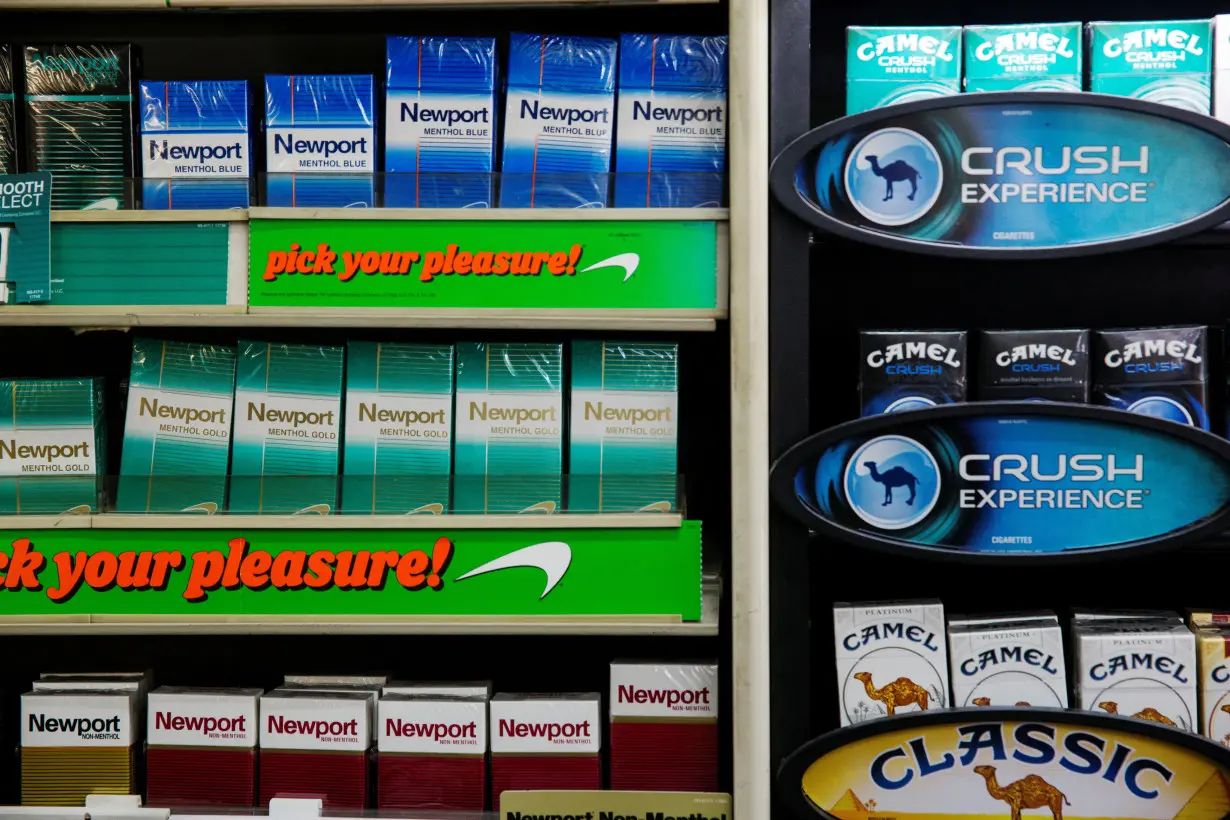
{"x":1161,"y":407}
{"x":894,"y":176}
{"x":892,"y":482}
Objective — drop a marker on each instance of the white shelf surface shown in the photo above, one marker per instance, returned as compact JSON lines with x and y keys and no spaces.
{"x":562,"y":521}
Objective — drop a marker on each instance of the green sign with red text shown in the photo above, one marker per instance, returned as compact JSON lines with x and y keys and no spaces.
{"x":584,"y":264}
{"x":372,"y":572}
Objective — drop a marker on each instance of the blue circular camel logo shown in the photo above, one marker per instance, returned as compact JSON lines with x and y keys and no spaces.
{"x":894,"y":176}
{"x":892,"y":482}
{"x":909,"y":403}
{"x":1161,"y":407}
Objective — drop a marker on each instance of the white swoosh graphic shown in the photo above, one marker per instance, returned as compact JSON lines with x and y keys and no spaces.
{"x":108,"y":204}
{"x":552,"y":557}
{"x":207,"y":507}
{"x":628,"y":261}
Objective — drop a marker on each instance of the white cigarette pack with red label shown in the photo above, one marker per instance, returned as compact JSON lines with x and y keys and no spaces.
{"x":545,"y":742}
{"x":315,"y":742}
{"x":664,"y":723}
{"x":433,"y":753}
{"x":459,"y":689}
{"x":202,"y":746}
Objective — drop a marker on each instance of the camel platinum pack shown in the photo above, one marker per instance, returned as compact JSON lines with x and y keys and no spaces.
{"x":910,"y":370}
{"x":1160,"y":372}
{"x":895,"y":65}
{"x":1138,"y":668}
{"x":1034,"y":365}
{"x":891,"y":658}
{"x":1008,"y":663}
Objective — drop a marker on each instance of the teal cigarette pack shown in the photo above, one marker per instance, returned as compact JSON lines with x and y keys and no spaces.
{"x":1028,"y":57}
{"x":1162,"y":61}
{"x":896,"y":65}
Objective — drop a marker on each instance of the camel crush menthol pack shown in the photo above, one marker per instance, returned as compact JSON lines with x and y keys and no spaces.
{"x":1034,"y":365}
{"x":891,"y":658}
{"x":1161,"y":372}
{"x":1162,"y":61}
{"x":896,"y":65}
{"x":1008,"y":663}
{"x":1027,"y":57}
{"x":910,"y":370}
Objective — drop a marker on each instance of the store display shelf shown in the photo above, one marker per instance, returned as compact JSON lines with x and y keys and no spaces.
{"x":101,"y":215}
{"x":289,"y":5}
{"x":122,"y":521}
{"x":493,"y":214}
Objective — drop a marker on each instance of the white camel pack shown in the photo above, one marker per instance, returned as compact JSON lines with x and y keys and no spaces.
{"x":1139,"y":668}
{"x":891,"y":658}
{"x":1008,"y":663}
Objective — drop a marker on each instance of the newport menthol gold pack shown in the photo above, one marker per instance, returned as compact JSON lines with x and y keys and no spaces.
{"x":1026,"y":57}
{"x":52,"y":446}
{"x":1008,"y":663}
{"x":288,"y":413}
{"x":623,"y":432}
{"x":1162,"y":61}
{"x":177,"y":430}
{"x":901,"y":64}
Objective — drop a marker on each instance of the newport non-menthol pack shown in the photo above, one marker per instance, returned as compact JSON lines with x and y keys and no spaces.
{"x":440,"y":122}
{"x":670,"y":147}
{"x":316,"y":742}
{"x":287,"y":432}
{"x":201,"y":746}
{"x":74,"y":744}
{"x":1025,"y":57}
{"x":79,"y":122}
{"x":509,"y":429}
{"x":1008,"y":663}
{"x":551,"y":742}
{"x":910,"y":370}
{"x":399,"y":428}
{"x":320,"y":140}
{"x":433,"y":753}
{"x":1034,"y":365}
{"x":177,"y":428}
{"x":559,"y":122}
{"x":8,"y":113}
{"x":1160,"y":372}
{"x":896,"y":65}
{"x":52,"y":446}
{"x":1162,"y":61}
{"x":196,"y":150}
{"x":623,"y":433}
{"x":457,"y":689}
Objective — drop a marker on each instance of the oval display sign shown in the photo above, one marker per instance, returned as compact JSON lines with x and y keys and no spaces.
{"x":1004,"y":480}
{"x":994,"y":764}
{"x":1011,"y":174}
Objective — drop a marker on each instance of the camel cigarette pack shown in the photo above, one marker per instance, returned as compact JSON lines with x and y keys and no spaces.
{"x":1162,"y":61}
{"x":664,"y":727}
{"x":1139,"y":668}
{"x":560,"y":121}
{"x":440,"y":122}
{"x":52,"y":446}
{"x":477,"y":689}
{"x":79,"y":122}
{"x":546,"y":742}
{"x":177,"y":427}
{"x":1034,"y":365}
{"x":1084,"y":615}
{"x":892,"y":658}
{"x":509,"y":429}
{"x":201,"y":746}
{"x":896,"y":65}
{"x":433,"y":753}
{"x":399,"y":428}
{"x":1213,"y":660}
{"x":624,"y":426}
{"x":1159,"y":372}
{"x":74,"y":744}
{"x":961,"y":621}
{"x":1010,"y":663}
{"x":8,"y":113}
{"x":320,"y":140}
{"x":911,"y":370}
{"x":196,"y":151}
{"x":1027,"y":57}
{"x":316,"y":742}
{"x":288,"y":410}
{"x":670,"y":149}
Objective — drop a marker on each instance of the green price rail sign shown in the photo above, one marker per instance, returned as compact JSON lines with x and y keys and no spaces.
{"x":367,"y":572}
{"x":484,"y":264}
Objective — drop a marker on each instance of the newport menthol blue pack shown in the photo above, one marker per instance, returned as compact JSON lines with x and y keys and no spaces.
{"x":287,"y":431}
{"x":320,"y":140}
{"x":196,"y":151}
{"x":177,"y":430}
{"x":1162,"y":61}
{"x":1034,"y":365}
{"x":440,"y":122}
{"x":1161,"y":372}
{"x":911,"y":370}
{"x":559,"y":123}
{"x":1025,"y":57}
{"x":895,"y":65}
{"x":670,"y":147}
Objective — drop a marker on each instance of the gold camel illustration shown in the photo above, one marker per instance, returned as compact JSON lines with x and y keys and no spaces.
{"x":987,"y":702}
{"x":1147,"y":713}
{"x":1226,"y":708}
{"x":901,"y":692}
{"x":1030,"y":792}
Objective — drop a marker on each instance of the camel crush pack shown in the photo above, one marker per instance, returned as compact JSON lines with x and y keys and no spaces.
{"x":891,"y":658}
{"x":1034,"y":365}
{"x":1027,"y":57}
{"x":910,"y":370}
{"x":1162,"y":61}
{"x":1139,"y":668}
{"x":1008,"y":663}
{"x":1161,"y":372}
{"x":896,"y":65}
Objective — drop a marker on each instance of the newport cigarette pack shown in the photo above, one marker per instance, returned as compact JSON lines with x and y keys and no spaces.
{"x":201,"y":747}
{"x":545,"y":742}
{"x":433,"y":753}
{"x":316,"y":742}
{"x":74,"y":744}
